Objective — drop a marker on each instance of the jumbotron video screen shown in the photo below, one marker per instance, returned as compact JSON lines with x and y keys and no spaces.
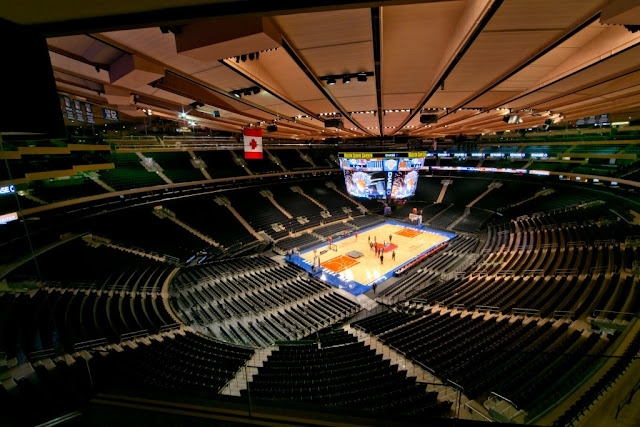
{"x":381,"y":175}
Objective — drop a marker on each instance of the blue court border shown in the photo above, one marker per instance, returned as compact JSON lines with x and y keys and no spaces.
{"x":351,"y":286}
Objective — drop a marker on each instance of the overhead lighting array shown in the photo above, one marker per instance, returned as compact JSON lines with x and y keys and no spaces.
{"x":346,"y":78}
{"x":253,"y":90}
{"x":253,"y":56}
{"x":401,"y":110}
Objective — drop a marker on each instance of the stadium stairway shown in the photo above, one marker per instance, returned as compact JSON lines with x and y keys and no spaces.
{"x":269,"y":196}
{"x":246,"y":373}
{"x":97,"y":241}
{"x":164,"y":212}
{"x":239,"y":217}
{"x":443,"y":191}
{"x":203,"y":170}
{"x":332,"y":186}
{"x":297,"y":189}
{"x":492,"y":186}
{"x":435,"y":384}
{"x":306,"y":158}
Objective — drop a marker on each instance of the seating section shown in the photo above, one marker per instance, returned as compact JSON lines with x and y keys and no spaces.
{"x":128,"y":173}
{"x":582,"y":405}
{"x":335,"y":229}
{"x":302,"y":242}
{"x":346,"y":373}
{"x":509,"y":193}
{"x":297,"y":205}
{"x":446,"y":217}
{"x":463,"y":349}
{"x":366,"y":221}
{"x":463,"y":191}
{"x":177,"y":166}
{"x":474,"y":221}
{"x":291,"y":159}
{"x":188,"y":362}
{"x":259,"y":166}
{"x":255,"y":301}
{"x":59,"y":319}
{"x":69,"y":189}
{"x":456,"y":256}
{"x":328,"y":197}
{"x":215,"y":221}
{"x":141,"y":228}
{"x":220,"y":164}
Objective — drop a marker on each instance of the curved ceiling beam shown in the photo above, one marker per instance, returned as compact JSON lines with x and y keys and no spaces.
{"x":305,"y":68}
{"x":106,"y":40}
{"x":564,"y":94}
{"x":461,"y":52}
{"x":264,"y":87}
{"x":528,"y":62}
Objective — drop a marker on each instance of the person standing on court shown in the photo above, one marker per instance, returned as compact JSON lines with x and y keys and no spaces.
{"x":381,"y":259}
{"x":369,"y":237}
{"x":389,"y":238}
{"x":393,"y":255}
{"x":356,"y":236}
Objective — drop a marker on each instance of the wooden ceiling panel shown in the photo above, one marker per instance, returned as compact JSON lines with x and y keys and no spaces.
{"x":401,"y":100}
{"x":491,"y":98}
{"x":494,"y":54}
{"x":542,"y":14}
{"x":278,"y":72}
{"x":309,"y":30}
{"x":161,"y":47}
{"x":412,"y":50}
{"x":342,"y":59}
{"x":77,"y":68}
{"x":224,"y":78}
{"x":394,"y":119}
{"x":447,"y":99}
{"x":355,"y":96}
{"x":359,"y":103}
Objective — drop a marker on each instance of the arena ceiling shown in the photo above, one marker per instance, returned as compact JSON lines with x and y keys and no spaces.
{"x":471,"y":62}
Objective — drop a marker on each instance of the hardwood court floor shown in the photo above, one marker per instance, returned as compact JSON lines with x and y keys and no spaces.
{"x":366,"y":269}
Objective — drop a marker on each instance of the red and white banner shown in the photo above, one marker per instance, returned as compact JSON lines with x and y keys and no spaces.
{"x":252,"y":143}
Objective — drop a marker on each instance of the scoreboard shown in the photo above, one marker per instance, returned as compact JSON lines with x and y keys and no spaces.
{"x":381,"y":175}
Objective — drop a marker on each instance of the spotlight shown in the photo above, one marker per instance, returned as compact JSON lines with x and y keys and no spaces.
{"x":243,"y":58}
{"x":346,"y":79}
{"x":236,"y":94}
{"x":251,"y":56}
{"x":331,"y":81}
{"x":183,"y":115}
{"x":362,"y":77}
{"x":237,"y":59}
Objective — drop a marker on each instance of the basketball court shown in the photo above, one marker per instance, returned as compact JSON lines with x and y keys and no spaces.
{"x":351,"y":264}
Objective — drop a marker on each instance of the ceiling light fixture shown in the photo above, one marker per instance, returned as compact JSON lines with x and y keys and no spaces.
{"x":346,"y":78}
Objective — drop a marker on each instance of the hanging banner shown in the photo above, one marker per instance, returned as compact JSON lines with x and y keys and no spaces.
{"x":68,"y":109}
{"x":109,"y":114}
{"x":78,"y":107}
{"x":252,"y":143}
{"x":89,"y":111}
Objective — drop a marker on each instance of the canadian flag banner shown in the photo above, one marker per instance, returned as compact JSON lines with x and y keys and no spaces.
{"x":252,"y":143}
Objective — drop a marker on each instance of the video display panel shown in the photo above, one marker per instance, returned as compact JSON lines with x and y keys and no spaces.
{"x":387,"y":177}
